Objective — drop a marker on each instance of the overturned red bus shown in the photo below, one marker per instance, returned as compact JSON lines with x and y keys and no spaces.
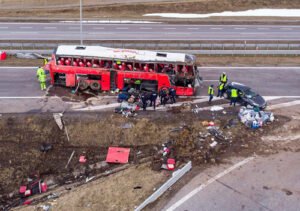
{"x":104,"y":69}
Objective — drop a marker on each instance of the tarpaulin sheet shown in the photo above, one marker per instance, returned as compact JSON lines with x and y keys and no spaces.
{"x":117,"y":155}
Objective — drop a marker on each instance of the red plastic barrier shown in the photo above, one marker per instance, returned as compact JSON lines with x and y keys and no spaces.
{"x":3,"y":55}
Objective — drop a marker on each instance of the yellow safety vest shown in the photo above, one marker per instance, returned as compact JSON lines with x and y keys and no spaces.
{"x":42,"y":78}
{"x":234,"y":93}
{"x":39,"y":72}
{"x":210,"y":90}
{"x":221,"y":86}
{"x":45,"y":61}
{"x":223,"y":78}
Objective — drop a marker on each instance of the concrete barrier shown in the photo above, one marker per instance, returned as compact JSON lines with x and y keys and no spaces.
{"x":175,"y":177}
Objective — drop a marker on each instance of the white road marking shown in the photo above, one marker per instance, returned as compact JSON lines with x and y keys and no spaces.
{"x":263,"y":28}
{"x":25,"y":27}
{"x":283,"y":105}
{"x":32,"y":97}
{"x":22,"y":32}
{"x":216,"y":28}
{"x":98,"y":28}
{"x":208,"y":182}
{"x":193,"y":28}
{"x":240,"y":28}
{"x":185,"y":33}
{"x":145,"y":28}
{"x":99,"y":33}
{"x":18,"y":67}
{"x":286,"y":29}
{"x":251,"y":33}
{"x":50,"y":27}
{"x":121,"y":28}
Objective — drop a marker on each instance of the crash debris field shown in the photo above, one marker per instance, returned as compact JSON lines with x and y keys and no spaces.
{"x":33,"y":147}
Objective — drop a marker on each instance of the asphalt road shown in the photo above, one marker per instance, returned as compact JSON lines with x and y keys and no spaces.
{"x":283,"y":81}
{"x":265,"y":183}
{"x":267,"y":81}
{"x":98,"y":31}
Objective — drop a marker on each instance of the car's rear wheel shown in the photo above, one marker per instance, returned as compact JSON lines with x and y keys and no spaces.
{"x":225,"y":95}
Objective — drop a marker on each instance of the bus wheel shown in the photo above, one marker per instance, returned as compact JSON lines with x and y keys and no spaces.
{"x":83,"y":85}
{"x":95,"y":85}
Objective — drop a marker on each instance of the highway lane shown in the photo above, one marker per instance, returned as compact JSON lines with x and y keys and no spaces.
{"x":100,"y":31}
{"x":265,"y":183}
{"x":267,"y":81}
{"x":283,"y":81}
{"x":19,"y":82}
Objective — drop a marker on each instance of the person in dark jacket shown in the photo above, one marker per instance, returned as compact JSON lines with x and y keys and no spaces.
{"x":163,"y":96}
{"x":153,"y":98}
{"x":144,"y":100}
{"x":172,"y":93}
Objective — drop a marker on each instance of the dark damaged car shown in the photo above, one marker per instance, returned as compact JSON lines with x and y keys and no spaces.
{"x":246,"y":95}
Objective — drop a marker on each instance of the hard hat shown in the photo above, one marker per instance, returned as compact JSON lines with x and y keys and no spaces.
{"x":224,"y":73}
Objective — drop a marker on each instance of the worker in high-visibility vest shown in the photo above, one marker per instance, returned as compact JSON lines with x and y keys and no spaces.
{"x":41,"y":75}
{"x":233,"y":97}
{"x":137,"y":84}
{"x":210,"y":93}
{"x":220,"y":90}
{"x":45,"y":61}
{"x":223,"y":78}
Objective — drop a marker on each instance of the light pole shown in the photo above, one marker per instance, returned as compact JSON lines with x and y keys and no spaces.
{"x":81,"y":39}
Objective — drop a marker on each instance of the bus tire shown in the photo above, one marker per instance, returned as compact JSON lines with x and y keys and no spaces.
{"x":95,"y":85}
{"x":83,"y":85}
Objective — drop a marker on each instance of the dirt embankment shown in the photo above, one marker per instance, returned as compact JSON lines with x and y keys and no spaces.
{"x":136,"y":10}
{"x":21,"y":138}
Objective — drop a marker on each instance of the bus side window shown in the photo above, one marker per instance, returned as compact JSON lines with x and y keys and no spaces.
{"x":151,"y":67}
{"x":96,"y":63}
{"x":137,"y":67}
{"x":129,"y":66}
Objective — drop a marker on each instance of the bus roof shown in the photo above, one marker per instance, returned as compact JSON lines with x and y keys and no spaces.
{"x":123,"y":54}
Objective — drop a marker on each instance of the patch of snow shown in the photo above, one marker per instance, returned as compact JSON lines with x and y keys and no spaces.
{"x":108,"y":21}
{"x":256,"y":12}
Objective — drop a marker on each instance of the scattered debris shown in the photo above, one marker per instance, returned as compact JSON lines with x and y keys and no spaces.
{"x":212,"y":145}
{"x":58,"y":120}
{"x":32,"y":188}
{"x":117,"y":155}
{"x":89,"y":179}
{"x":137,"y":187}
{"x":82,"y":159}
{"x":70,"y":158}
{"x":45,"y":147}
{"x":287,"y":192}
{"x":127,"y":126}
{"x":46,"y":207}
{"x":216,"y":108}
{"x":254,"y":118}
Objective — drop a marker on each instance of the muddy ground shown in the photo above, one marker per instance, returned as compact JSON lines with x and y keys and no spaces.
{"x":136,"y":9}
{"x":22,"y":136}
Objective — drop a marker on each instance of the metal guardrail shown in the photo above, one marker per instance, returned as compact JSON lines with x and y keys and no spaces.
{"x":161,"y":45}
{"x":175,"y":177}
